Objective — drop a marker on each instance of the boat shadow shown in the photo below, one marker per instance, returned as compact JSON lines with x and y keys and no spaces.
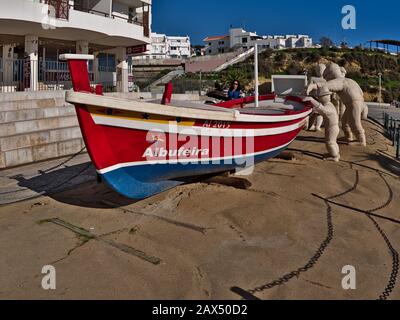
{"x":341,"y":141}
{"x":75,"y":185}
{"x":79,"y":185}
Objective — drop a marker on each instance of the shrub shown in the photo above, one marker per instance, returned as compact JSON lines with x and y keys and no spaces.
{"x":313,"y":57}
{"x":294,"y":69}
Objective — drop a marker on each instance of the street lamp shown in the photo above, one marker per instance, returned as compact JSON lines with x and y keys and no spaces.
{"x":201,"y":82}
{"x":256,"y":74}
{"x":380,"y":88}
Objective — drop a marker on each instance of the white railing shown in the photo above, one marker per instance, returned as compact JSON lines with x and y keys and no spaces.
{"x":15,"y":75}
{"x":1,"y":70}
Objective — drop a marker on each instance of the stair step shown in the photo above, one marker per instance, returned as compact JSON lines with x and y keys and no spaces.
{"x":40,"y":152}
{"x":14,"y":105}
{"x":39,"y":137}
{"x":36,"y":114}
{"x":31,"y":126}
{"x":29,"y":95}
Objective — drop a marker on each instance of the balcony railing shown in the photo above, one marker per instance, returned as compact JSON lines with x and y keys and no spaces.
{"x":62,"y":11}
{"x":62,"y":8}
{"x":52,"y":75}
{"x":1,"y":70}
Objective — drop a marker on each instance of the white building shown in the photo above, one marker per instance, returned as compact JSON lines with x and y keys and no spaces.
{"x":240,"y":38}
{"x":217,"y":45}
{"x":167,"y":47}
{"x":34,"y":33}
{"x":304,"y":42}
{"x":178,"y":47}
{"x":158,"y":47}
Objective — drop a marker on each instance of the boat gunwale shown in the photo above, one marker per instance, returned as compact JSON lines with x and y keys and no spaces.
{"x":90,"y":99}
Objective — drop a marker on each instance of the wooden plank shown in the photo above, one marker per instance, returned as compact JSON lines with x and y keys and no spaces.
{"x":223,"y":114}
{"x":150,"y":108}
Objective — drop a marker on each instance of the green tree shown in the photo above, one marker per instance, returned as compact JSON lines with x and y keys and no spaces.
{"x":234,"y":74}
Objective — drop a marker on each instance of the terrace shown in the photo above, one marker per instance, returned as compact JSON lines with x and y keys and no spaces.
{"x":132,"y":11}
{"x":103,"y":22}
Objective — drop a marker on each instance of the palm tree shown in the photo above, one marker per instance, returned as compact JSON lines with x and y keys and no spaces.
{"x":232,"y":75}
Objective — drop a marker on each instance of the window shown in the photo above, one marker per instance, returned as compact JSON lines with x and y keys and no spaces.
{"x":244,"y":40}
{"x":107,"y":62}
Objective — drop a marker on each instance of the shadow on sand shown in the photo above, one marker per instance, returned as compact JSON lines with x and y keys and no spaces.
{"x":75,"y":185}
{"x":341,"y":141}
{"x":386,"y":162}
{"x":79,"y":186}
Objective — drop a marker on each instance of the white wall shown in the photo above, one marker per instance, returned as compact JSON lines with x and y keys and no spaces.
{"x":164,"y":47}
{"x":178,"y":46}
{"x":217,"y":46}
{"x":92,"y":27}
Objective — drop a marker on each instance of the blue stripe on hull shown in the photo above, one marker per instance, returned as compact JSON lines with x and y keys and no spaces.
{"x":140,"y":182}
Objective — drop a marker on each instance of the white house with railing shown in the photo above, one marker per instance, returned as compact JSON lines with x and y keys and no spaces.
{"x":239,"y":38}
{"x":168,"y":47}
{"x":33,"y":33}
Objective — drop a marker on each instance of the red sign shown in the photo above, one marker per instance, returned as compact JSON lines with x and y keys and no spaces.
{"x":136,"y":49}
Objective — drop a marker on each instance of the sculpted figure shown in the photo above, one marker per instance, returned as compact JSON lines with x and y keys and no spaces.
{"x":325,"y":108}
{"x":352,"y":96}
{"x":365,"y":113}
{"x":320,"y":69}
{"x":341,"y":107}
{"x":317,"y":120}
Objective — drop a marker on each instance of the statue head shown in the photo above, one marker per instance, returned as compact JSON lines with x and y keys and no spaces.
{"x":320,"y":68}
{"x":332,"y":72}
{"x":324,"y":95}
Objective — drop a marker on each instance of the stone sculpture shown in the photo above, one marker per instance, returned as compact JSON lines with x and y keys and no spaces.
{"x":317,"y":120}
{"x":325,"y":108}
{"x":352,"y":97}
{"x":342,"y":107}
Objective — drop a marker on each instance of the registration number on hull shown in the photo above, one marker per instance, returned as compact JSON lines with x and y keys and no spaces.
{"x":217,"y":124}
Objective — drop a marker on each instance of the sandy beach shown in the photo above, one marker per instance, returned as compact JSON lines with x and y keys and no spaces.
{"x":285,"y":232}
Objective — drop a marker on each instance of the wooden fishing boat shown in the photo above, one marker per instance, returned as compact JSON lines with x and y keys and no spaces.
{"x":141,"y":149}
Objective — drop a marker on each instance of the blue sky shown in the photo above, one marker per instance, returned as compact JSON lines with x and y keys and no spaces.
{"x":201,"y":18}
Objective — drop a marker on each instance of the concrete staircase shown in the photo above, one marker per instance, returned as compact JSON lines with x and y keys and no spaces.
{"x":167,"y":78}
{"x":37,"y":126}
{"x":239,"y":58}
{"x":219,"y":62}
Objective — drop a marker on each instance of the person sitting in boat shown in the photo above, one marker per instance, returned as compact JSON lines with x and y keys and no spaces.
{"x":235,"y":91}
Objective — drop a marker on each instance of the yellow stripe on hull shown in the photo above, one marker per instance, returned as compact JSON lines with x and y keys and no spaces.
{"x":136,"y":116}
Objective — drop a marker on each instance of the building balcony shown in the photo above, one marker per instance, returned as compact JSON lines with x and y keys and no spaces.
{"x":179,"y":44}
{"x":70,"y":20}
